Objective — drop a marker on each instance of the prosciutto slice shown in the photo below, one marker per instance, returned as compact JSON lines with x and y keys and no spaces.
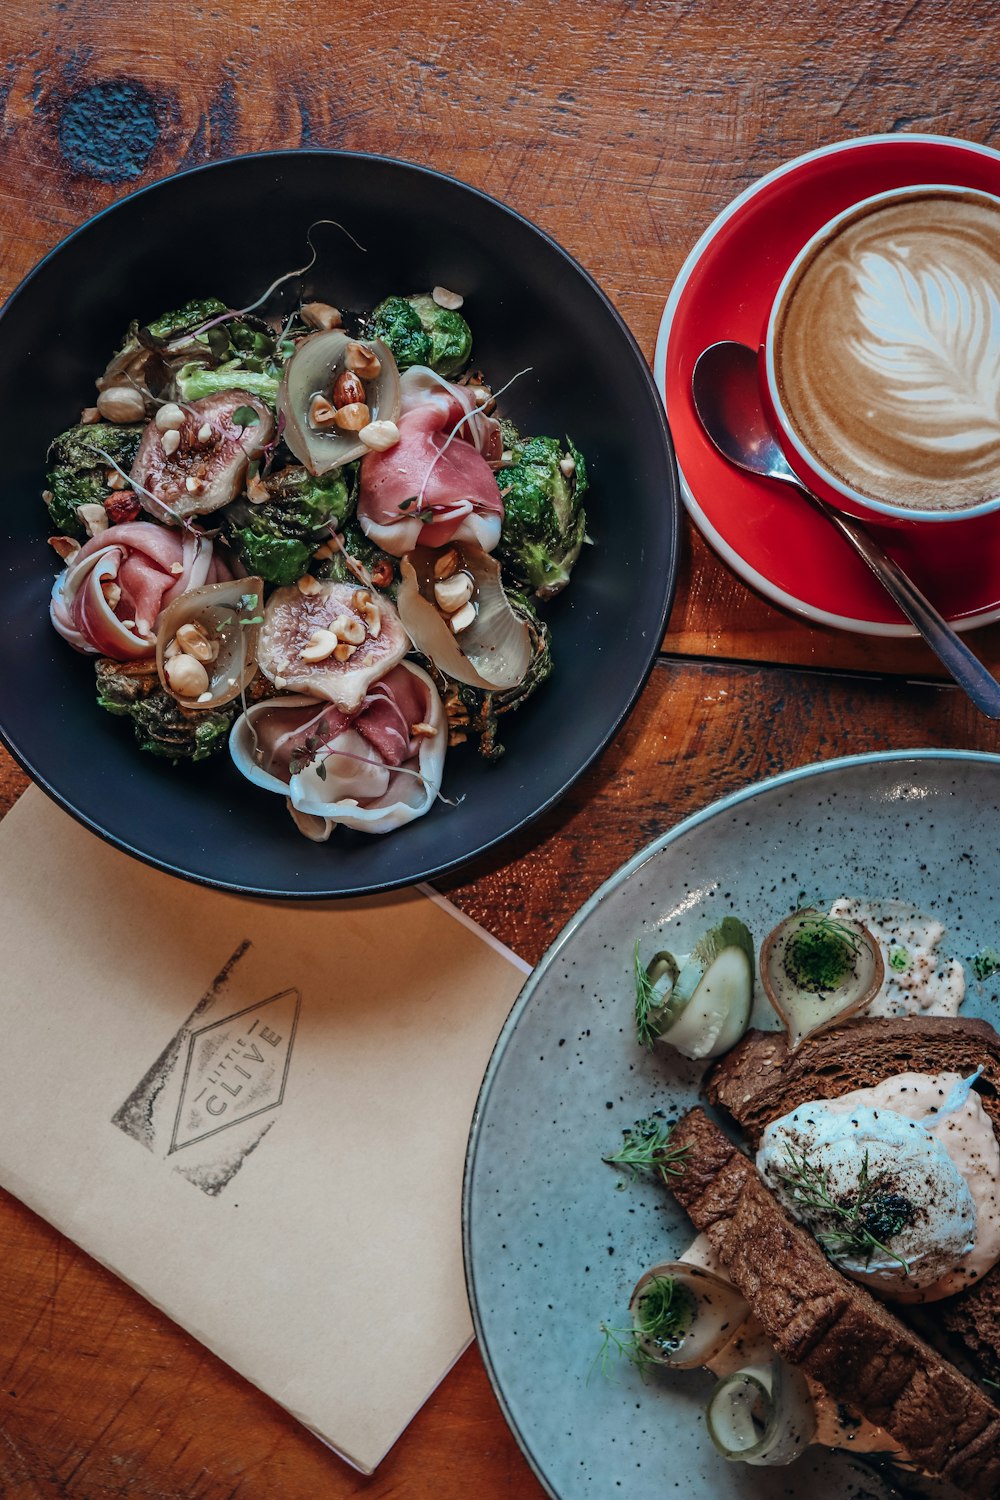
{"x":107,"y":599}
{"x":434,"y":486}
{"x":368,"y":770}
{"x":422,"y":386}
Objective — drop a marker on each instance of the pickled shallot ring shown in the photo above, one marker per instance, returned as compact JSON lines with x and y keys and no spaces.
{"x":228,"y":614}
{"x":763,"y":1414}
{"x":317,"y":361}
{"x":818,"y":970}
{"x":684,"y":1315}
{"x":494,"y":652}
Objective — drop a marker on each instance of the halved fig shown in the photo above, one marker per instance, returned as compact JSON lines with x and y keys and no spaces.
{"x":207,"y":468}
{"x":206,"y":642}
{"x":310,"y":374}
{"x":818,"y":970}
{"x":331,"y":642}
{"x":493,"y":651}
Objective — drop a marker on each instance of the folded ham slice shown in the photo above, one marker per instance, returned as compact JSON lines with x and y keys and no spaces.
{"x":107,"y":599}
{"x":434,"y":486}
{"x":372,"y":770}
{"x":422,"y":386}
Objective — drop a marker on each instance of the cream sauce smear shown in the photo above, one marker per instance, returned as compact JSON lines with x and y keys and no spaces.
{"x":919,"y":979}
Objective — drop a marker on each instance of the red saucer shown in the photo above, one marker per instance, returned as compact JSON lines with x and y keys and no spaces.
{"x":772,"y":539}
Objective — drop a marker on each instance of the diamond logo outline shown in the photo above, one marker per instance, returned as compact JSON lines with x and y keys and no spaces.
{"x":214,"y":1026}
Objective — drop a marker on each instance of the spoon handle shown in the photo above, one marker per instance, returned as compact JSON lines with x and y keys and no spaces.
{"x":967,"y":670}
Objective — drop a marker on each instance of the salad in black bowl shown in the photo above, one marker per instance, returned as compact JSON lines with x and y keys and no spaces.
{"x":314,"y":511}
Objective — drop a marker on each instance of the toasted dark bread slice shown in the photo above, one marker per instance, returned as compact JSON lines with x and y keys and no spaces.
{"x":760,"y":1080}
{"x":833,"y":1329}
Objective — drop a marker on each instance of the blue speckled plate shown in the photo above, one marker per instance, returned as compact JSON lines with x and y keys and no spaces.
{"x":554,"y":1239}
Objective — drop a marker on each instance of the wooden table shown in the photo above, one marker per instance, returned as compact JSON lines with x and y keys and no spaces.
{"x":622,"y":127}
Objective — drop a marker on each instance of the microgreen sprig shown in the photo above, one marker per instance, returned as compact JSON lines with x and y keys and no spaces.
{"x":664,"y":1312}
{"x":645,"y":1000}
{"x":855,"y":1220}
{"x":652,"y":1012}
{"x":821,"y":952}
{"x":646,"y":1148}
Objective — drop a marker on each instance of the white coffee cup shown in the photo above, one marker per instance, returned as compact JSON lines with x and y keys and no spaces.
{"x":881,"y":356}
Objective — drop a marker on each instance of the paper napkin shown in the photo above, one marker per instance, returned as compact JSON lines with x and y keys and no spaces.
{"x":256,"y":1114}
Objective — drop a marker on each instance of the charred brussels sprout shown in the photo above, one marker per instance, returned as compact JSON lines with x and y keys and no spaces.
{"x":397,"y":324}
{"x":175,"y":355}
{"x":544,"y":523}
{"x":449,"y":333}
{"x":472,"y":711}
{"x":239,"y":354}
{"x":132,"y":690}
{"x":381,"y":568}
{"x":170,"y":325}
{"x":78,"y":473}
{"x":141,"y":360}
{"x":277,"y":538}
{"x":420,"y":333}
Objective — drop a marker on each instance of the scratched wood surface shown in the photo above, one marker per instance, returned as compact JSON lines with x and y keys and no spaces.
{"x":622,"y":129}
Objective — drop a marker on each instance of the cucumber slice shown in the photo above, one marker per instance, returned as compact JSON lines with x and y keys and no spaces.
{"x":718,"y":1010}
{"x":700,"y":1002}
{"x":763,"y":1414}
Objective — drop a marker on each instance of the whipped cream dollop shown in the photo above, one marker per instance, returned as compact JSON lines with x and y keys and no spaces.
{"x":912,"y":1164}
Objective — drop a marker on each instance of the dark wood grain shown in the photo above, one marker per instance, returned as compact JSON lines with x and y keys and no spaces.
{"x":621,"y":128}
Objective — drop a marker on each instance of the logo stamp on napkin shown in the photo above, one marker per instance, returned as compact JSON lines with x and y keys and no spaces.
{"x":215,"y":1089}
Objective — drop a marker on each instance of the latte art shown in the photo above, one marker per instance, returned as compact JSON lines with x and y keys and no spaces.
{"x":887,"y":350}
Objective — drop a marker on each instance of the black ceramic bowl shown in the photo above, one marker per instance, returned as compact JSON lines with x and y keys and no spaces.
{"x":228,"y":230}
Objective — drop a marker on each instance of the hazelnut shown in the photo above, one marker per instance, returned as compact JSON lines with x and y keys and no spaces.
{"x":185,"y":676}
{"x":347,"y":389}
{"x":353,"y":417}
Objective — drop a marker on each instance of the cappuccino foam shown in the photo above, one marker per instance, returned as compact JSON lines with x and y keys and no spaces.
{"x":887,"y":351}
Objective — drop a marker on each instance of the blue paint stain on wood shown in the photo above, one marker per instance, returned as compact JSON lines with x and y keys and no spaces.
{"x":222,"y":126}
{"x":196,"y":151}
{"x":305,"y":112}
{"x":109,"y":129}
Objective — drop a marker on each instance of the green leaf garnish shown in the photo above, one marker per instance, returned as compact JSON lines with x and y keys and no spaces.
{"x":646,"y":1148}
{"x":986,"y":964}
{"x":899,"y":958}
{"x":245,"y":416}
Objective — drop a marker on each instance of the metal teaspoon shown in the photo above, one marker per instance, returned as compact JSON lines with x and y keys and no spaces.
{"x":727,"y":399}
